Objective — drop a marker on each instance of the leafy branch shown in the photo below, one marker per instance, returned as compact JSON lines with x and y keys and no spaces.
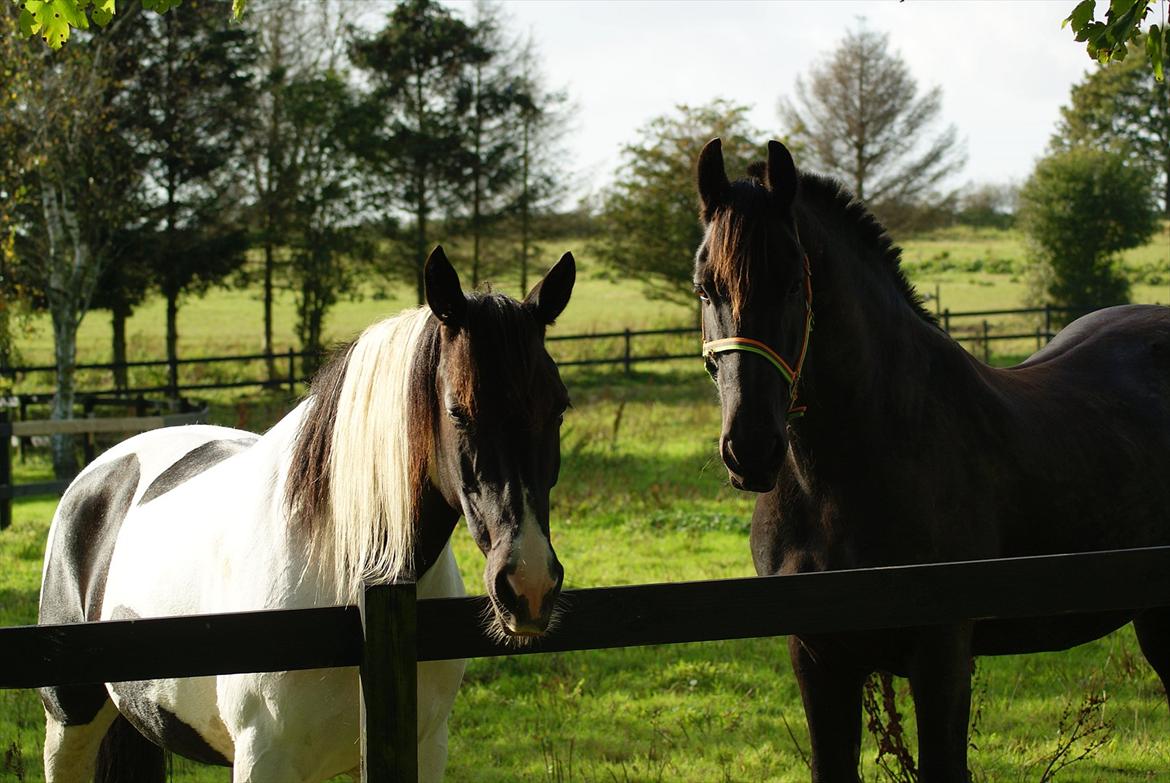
{"x":53,"y":20}
{"x":1109,"y":39}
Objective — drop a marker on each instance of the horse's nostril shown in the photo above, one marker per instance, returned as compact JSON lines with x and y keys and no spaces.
{"x":504,"y":592}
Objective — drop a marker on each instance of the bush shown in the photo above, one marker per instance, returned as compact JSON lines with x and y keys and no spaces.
{"x":1080,"y":209}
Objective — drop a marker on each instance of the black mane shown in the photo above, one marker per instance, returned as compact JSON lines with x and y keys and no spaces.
{"x":828,"y":194}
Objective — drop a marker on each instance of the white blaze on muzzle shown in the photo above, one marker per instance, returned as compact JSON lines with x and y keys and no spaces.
{"x":531,"y":576}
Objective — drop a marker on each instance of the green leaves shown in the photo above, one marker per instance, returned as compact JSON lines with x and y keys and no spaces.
{"x":52,"y":20}
{"x":1108,"y":39}
{"x":1157,"y":43}
{"x":1081,"y":16}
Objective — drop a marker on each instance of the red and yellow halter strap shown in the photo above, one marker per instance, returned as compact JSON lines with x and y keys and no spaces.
{"x":790,"y":373}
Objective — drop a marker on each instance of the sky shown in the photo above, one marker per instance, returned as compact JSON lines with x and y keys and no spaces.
{"x":1005,"y":66}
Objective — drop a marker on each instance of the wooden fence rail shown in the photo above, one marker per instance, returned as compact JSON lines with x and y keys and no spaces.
{"x":383,"y":640}
{"x":86,"y":426}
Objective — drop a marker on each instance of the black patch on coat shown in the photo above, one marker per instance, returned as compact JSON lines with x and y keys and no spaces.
{"x":157,"y":724}
{"x":161,"y":726}
{"x":193,"y":463}
{"x":88,"y":521}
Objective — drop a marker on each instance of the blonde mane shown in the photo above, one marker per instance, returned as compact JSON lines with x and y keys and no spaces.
{"x":355,"y":470}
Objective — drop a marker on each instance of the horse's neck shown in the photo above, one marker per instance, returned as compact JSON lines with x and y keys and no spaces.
{"x":875,"y":367}
{"x":436,"y":521}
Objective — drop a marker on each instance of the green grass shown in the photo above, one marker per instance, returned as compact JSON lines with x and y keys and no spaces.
{"x":643,"y":498}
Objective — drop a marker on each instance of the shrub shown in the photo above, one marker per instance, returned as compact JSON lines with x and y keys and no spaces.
{"x":1080,"y":209}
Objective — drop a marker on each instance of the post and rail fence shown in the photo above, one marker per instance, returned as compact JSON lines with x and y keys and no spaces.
{"x":88,"y":427}
{"x":392,"y":631}
{"x":1025,"y":328}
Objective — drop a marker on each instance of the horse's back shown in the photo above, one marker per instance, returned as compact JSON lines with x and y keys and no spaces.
{"x":89,"y":517}
{"x":1135,"y":336}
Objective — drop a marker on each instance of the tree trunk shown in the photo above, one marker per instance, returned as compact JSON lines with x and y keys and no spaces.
{"x":269,"y":263}
{"x":173,"y":344}
{"x":65,"y":312}
{"x":420,"y":245}
{"x":118,"y":315}
{"x":477,"y":171}
{"x":65,"y":356}
{"x":420,"y":173}
{"x":525,"y":226}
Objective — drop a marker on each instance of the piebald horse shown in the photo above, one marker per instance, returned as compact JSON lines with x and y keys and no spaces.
{"x":447,"y":410}
{"x":876,"y":440}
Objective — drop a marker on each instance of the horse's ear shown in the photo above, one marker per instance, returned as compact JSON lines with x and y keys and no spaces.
{"x":780,"y":175}
{"x":444,"y":294}
{"x":712,"y":178}
{"x":549,"y":297}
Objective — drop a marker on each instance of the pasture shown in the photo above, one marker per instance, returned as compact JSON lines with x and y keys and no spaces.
{"x":643,"y":498}
{"x":969,"y":268}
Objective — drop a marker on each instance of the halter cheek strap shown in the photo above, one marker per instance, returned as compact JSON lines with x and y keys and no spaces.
{"x":790,"y":373}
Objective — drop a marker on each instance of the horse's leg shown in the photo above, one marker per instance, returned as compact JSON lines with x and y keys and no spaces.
{"x":940,"y":678}
{"x":71,"y":750}
{"x":438,"y":682}
{"x":1153,"y":633}
{"x":832,"y":707}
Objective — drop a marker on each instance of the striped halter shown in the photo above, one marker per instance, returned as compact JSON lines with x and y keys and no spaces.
{"x":790,"y":373}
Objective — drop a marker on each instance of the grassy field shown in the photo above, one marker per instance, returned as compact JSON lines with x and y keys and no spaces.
{"x":958,"y":269}
{"x":643,"y":498}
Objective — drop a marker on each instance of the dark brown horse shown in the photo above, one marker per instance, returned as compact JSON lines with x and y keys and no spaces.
{"x":876,"y":440}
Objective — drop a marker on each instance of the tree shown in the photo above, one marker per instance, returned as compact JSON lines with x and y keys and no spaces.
{"x":76,"y":186}
{"x":1121,"y":107}
{"x":295,"y":42}
{"x":193,"y":96}
{"x":124,"y":284}
{"x":989,"y":204}
{"x":1080,"y":208}
{"x":649,"y":216}
{"x":543,"y":119}
{"x":1110,"y":38}
{"x":325,"y":211}
{"x":54,"y":20}
{"x":861,"y":119}
{"x":414,"y":117}
{"x":491,"y":144}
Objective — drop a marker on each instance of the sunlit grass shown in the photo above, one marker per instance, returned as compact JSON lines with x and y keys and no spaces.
{"x":642,"y":498}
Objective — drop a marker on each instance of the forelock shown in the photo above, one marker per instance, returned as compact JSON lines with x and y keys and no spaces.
{"x":737,"y":238}
{"x":496,"y":360}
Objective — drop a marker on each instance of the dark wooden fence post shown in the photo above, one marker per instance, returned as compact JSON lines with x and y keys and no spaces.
{"x":5,"y":470}
{"x":1047,"y":322}
{"x":947,"y":320}
{"x":389,"y":712}
{"x":626,"y":360}
{"x":986,"y":343}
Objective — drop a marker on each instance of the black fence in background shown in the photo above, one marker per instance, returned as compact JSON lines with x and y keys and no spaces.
{"x":1016,"y":332}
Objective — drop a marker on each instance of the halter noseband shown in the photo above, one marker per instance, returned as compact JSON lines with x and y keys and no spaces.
{"x":748,"y":345}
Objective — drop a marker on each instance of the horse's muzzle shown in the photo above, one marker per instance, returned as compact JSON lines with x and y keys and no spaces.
{"x":752,"y":466}
{"x":523,"y":610}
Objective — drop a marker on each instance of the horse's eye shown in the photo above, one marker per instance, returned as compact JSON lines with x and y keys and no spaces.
{"x":702,"y":294}
{"x":460,"y":418}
